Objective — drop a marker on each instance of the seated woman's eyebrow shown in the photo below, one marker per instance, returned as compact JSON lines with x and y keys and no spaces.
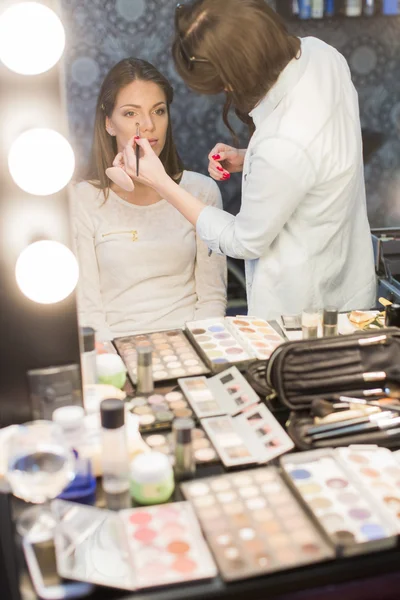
{"x":138,"y":106}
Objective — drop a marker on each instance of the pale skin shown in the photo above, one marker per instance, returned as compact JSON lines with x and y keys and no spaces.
{"x":141,"y":102}
{"x":152,"y":173}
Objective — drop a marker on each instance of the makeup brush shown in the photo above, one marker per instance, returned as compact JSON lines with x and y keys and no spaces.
{"x":137,"y":149}
{"x":348,"y":400}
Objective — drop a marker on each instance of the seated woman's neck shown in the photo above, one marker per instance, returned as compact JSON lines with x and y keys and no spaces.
{"x":142,"y":195}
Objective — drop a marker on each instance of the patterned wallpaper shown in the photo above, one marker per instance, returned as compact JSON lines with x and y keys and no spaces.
{"x":102,"y":32}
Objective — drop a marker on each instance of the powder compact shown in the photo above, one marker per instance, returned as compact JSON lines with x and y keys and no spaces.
{"x":254,"y":525}
{"x":233,"y":340}
{"x":172,"y":355}
{"x":227,"y":393}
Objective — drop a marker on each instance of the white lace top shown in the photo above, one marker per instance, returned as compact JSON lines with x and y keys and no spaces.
{"x":143,"y":267}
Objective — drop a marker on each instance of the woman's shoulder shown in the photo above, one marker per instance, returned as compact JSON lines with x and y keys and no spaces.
{"x":201,"y":186}
{"x":87,"y":194}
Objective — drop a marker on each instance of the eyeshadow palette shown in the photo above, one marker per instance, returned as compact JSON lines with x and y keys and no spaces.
{"x":254,"y":525}
{"x":351,"y":520}
{"x":203,"y":450}
{"x":131,"y":550}
{"x":378,"y":470}
{"x":167,"y":545}
{"x":254,"y":437}
{"x":173,"y":355}
{"x":233,"y":340}
{"x":159,"y":410}
{"x":227,"y":393}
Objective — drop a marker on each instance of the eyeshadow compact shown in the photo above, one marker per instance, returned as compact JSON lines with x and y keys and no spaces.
{"x":378,"y":471}
{"x":254,"y":525}
{"x":345,"y":513}
{"x":157,"y":411}
{"x":203,"y":450}
{"x":172,"y":355}
{"x":133,"y":549}
{"x":233,"y":340}
{"x":253,"y":437}
{"x":227,"y":393}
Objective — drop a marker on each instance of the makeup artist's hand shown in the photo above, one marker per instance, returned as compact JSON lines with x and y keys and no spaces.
{"x":151,"y":169}
{"x":224,"y":160}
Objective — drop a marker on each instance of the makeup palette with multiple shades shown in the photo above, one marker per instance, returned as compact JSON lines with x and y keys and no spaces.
{"x":159,"y":410}
{"x":252,"y":437}
{"x":348,"y":516}
{"x":378,"y":470}
{"x":203,"y":450}
{"x":227,"y":393}
{"x":167,"y":545}
{"x":229,"y":340}
{"x":254,"y":525}
{"x":173,"y":355}
{"x":134,"y":549}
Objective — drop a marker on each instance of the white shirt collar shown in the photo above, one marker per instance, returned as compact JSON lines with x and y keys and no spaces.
{"x":285,"y":83}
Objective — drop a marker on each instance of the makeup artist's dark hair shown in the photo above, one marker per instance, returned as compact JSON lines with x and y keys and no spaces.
{"x":246,"y":46}
{"x":104,"y":147}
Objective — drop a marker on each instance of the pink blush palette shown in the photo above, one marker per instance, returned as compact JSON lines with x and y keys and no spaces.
{"x":238,"y":341}
{"x":166,"y":545}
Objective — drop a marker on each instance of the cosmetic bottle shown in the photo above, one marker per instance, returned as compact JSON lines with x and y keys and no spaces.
{"x":353,"y":8}
{"x":88,"y":356}
{"x":151,"y":478}
{"x":145,"y":384}
{"x":330,"y":322}
{"x":369,"y":8}
{"x":310,"y":320}
{"x":317,"y":9}
{"x":115,"y":455}
{"x":185,"y":463}
{"x":392,"y":316}
{"x":305,"y":9}
{"x":329,"y":8}
{"x":390,"y":7}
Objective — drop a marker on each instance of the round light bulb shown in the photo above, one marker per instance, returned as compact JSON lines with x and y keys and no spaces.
{"x":32,"y":38}
{"x":41,"y":161}
{"x":47,"y":272}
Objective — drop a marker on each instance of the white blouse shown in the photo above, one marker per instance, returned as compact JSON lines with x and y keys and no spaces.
{"x":302,"y":226}
{"x":143,"y":267}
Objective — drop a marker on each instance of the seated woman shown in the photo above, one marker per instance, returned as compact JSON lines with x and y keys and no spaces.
{"x":142,"y":266}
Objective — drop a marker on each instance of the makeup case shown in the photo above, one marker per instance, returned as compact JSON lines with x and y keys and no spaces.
{"x":357,"y":365}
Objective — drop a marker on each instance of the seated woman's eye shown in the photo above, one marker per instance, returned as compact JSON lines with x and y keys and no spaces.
{"x":160,"y":111}
{"x":130,"y":113}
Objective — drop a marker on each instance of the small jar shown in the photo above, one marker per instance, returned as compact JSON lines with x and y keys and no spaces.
{"x":111,"y":370}
{"x":152,"y":478}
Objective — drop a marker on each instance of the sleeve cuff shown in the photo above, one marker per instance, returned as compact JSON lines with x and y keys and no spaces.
{"x":211,"y":223}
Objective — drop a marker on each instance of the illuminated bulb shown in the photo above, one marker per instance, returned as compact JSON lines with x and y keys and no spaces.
{"x":41,"y":161}
{"x":47,"y":272}
{"x":32,"y":38}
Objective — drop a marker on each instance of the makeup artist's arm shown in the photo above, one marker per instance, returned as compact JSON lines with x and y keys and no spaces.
{"x":281,"y":174}
{"x":90,"y":305}
{"x":210,"y":271}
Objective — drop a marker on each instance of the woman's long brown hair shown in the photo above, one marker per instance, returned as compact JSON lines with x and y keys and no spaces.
{"x":246,"y":46}
{"x":104,"y":148}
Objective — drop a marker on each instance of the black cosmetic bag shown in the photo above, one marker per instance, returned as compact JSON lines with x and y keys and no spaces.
{"x":300,"y":372}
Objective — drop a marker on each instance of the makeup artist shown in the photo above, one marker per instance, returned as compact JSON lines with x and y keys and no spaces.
{"x":142,"y":266}
{"x":302,"y":227}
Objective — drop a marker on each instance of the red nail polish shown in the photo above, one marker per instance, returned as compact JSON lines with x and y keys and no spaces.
{"x":136,"y":137}
{"x":226,"y":176}
{"x":220,"y":169}
{"x":216,"y":157}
